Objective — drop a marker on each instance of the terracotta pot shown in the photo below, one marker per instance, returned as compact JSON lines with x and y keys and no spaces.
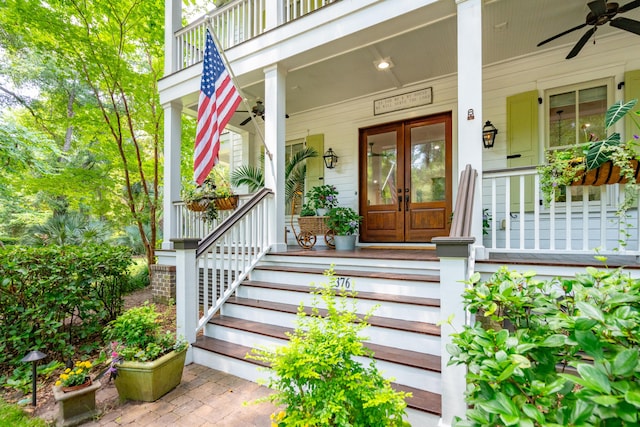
{"x":607,"y":173}
{"x":76,"y":387}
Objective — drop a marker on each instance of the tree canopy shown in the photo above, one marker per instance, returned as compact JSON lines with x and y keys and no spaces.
{"x":82,"y":124}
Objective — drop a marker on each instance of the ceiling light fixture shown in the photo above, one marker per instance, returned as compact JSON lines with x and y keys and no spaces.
{"x":383,"y":64}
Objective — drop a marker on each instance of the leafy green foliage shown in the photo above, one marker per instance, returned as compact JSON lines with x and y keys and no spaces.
{"x":551,"y":353}
{"x":136,"y":335}
{"x":316,"y":377}
{"x":12,"y":415}
{"x":53,"y":297}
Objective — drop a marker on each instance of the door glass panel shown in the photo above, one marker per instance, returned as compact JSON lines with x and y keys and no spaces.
{"x":381,"y":169}
{"x":428,"y":163}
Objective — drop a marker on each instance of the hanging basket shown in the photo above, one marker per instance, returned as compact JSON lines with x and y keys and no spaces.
{"x":226,"y":203}
{"x":607,"y":173}
{"x":198,"y":205}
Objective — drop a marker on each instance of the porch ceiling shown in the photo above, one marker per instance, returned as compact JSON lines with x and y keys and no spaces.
{"x":423,"y":46}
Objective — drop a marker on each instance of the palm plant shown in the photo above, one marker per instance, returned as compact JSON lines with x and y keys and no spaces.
{"x":295,"y":171}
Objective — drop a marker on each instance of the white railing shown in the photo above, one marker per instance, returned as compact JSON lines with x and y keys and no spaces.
{"x":520,"y":222}
{"x":190,"y":225}
{"x":227,"y":256}
{"x":234,"y":23}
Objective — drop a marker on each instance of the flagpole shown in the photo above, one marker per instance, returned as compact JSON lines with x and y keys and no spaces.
{"x":207,"y":21}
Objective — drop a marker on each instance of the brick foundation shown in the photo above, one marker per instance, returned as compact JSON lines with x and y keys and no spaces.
{"x":163,"y":283}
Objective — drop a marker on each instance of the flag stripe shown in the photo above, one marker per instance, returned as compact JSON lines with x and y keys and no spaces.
{"x":218,"y":100}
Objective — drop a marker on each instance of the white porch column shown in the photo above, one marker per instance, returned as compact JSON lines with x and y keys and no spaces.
{"x":186,"y":295}
{"x":172,"y":142}
{"x":274,"y":13}
{"x":454,"y":257}
{"x":274,"y":135}
{"x":172,"y":23}
{"x":470,"y":119}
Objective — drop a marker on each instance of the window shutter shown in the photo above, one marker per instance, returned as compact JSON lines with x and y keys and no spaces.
{"x":631,"y":91}
{"x":315,"y":165}
{"x":522,"y":142}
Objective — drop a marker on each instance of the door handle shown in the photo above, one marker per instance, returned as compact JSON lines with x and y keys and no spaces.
{"x":399,"y":203}
{"x":407,"y":198}
{"x":514,"y":156}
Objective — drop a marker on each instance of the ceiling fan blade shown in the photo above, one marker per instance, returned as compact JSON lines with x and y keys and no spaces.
{"x":598,"y":7}
{"x":583,"y":40}
{"x":245,"y":121}
{"x":562,"y":34}
{"x":629,"y":6}
{"x":626,"y":24}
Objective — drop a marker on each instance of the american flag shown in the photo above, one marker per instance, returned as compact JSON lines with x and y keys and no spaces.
{"x":219,"y":98}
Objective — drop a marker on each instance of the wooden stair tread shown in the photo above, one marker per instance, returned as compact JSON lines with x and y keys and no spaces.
{"x":421,"y":400}
{"x":355,"y":273}
{"x":374,"y":296}
{"x":384,"y":322}
{"x":390,"y":354}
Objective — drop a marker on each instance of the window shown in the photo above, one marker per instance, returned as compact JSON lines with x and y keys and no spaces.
{"x":576,"y":115}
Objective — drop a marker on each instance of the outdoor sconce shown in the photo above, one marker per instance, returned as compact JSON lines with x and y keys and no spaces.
{"x":489,"y":133}
{"x":330,"y":159}
{"x":33,"y":357}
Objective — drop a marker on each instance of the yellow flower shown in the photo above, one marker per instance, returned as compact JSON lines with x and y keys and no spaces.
{"x":79,"y":371}
{"x":64,"y":377}
{"x":58,"y":383}
{"x":66,"y":371}
{"x":281,"y":415}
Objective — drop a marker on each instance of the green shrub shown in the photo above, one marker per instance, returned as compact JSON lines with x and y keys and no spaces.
{"x":138,"y":275}
{"x":136,"y":335}
{"x":52,"y":298}
{"x":567,"y":356}
{"x":316,"y":377}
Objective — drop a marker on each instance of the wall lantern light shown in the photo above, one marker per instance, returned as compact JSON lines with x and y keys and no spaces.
{"x":330,"y":159}
{"x":33,"y":357}
{"x":489,"y":133}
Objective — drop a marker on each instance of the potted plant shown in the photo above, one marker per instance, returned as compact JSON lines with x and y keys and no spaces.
{"x":199,"y":198}
{"x":344,"y":222}
{"x":146,"y":363}
{"x":75,"y":393}
{"x":597,"y":162}
{"x":323,"y":198}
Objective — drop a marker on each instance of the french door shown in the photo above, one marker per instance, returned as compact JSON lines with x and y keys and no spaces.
{"x":405,"y":180}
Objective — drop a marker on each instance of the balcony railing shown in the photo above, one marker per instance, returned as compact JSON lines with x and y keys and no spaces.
{"x":190,"y":225}
{"x":234,"y":23}
{"x":584,"y":220}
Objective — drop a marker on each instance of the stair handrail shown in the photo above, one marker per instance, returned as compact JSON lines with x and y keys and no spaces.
{"x":235,"y":258}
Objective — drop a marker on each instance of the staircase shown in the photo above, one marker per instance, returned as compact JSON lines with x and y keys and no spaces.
{"x":402,"y":332}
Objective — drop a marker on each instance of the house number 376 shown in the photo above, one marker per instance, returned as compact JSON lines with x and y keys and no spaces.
{"x":343,"y":282}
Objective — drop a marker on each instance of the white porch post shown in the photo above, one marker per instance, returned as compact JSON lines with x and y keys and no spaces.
{"x":186,"y":295}
{"x":172,"y":142}
{"x":274,"y":168}
{"x":470,"y":118}
{"x":172,"y":23}
{"x":454,"y":257}
{"x":274,"y":13}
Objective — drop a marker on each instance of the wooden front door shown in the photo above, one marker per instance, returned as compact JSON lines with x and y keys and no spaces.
{"x":405,"y":180}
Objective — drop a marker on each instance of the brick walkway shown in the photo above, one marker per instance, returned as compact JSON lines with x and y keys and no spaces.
{"x":205,"y":397}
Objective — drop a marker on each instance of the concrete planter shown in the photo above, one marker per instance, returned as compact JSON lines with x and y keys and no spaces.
{"x":76,"y":407}
{"x":149,"y":381}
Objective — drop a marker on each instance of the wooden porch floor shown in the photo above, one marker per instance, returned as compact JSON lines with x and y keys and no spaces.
{"x":428,"y":253}
{"x":412,"y":253}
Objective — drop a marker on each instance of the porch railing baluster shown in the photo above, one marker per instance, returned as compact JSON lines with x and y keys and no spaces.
{"x":520,"y":223}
